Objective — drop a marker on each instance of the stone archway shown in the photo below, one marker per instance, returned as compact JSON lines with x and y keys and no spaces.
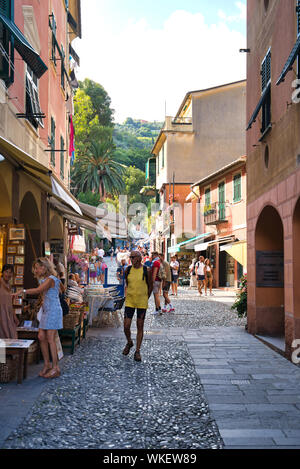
{"x":296,"y":268}
{"x":269,"y":247}
{"x":29,"y":216}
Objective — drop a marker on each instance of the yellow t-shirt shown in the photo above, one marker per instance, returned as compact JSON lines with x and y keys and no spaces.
{"x":137,"y":289}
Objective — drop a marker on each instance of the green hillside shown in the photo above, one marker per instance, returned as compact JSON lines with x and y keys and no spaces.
{"x":134,"y":140}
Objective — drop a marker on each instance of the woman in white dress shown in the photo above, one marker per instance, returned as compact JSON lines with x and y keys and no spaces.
{"x":193,"y":275}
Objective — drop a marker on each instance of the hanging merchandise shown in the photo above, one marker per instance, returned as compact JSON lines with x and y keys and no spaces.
{"x":15,"y":256}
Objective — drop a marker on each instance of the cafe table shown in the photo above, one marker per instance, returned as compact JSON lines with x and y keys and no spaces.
{"x":20,"y":348}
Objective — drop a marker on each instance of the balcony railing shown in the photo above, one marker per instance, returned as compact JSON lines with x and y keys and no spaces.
{"x":215,"y":214}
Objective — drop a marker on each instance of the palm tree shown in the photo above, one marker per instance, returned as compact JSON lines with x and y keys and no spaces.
{"x":97,"y":171}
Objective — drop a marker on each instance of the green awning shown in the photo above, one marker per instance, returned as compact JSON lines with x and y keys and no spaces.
{"x":28,"y":54}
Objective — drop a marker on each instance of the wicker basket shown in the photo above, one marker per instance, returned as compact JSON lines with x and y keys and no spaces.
{"x":32,"y":353}
{"x":8,"y":370}
{"x":72,"y":319}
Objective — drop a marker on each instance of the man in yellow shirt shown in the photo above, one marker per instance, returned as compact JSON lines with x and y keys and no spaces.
{"x":138,"y":288}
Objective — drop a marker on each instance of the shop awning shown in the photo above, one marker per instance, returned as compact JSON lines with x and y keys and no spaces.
{"x":238,"y":251}
{"x":189,"y":244}
{"x":26,"y":51}
{"x":201,"y":247}
{"x":42,"y":176}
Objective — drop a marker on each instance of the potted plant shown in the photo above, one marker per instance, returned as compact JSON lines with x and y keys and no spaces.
{"x":240,"y":303}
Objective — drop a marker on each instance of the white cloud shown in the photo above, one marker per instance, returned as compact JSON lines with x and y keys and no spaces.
{"x":241,"y":16}
{"x":141,"y":67}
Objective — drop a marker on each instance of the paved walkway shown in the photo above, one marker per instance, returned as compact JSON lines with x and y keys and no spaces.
{"x":252,"y":391}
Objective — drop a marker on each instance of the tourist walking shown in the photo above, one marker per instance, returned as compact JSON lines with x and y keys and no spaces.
{"x":138,"y":288}
{"x":156,"y":281}
{"x":52,"y":316}
{"x":121,"y":271}
{"x":93,"y":270}
{"x":8,"y":318}
{"x":174,"y":264}
{"x":193,"y":275}
{"x":166,"y":283}
{"x":200,"y":274}
{"x":208,"y":272}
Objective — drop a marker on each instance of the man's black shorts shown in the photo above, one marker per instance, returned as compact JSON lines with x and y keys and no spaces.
{"x":129,"y":312}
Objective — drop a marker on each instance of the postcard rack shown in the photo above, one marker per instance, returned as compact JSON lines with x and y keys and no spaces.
{"x":15,"y":256}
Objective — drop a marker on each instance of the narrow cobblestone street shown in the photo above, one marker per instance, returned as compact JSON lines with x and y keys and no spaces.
{"x":203,"y":383}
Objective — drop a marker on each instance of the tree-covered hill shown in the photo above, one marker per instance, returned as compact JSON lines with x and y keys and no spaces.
{"x":134,"y":140}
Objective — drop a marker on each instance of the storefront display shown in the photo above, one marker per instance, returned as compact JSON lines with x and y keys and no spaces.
{"x":12,"y":251}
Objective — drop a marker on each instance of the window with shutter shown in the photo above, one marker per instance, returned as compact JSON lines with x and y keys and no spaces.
{"x":52,"y":141}
{"x":265,"y":82}
{"x":53,"y":28}
{"x":62,"y":71}
{"x":33,"y":109}
{"x":207,"y":198}
{"x":6,"y":53}
{"x":5,"y":8}
{"x":237,"y":192}
{"x":62,"y":158}
{"x":222,"y":201}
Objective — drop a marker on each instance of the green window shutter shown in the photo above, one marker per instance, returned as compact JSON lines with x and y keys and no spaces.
{"x":266,"y":70}
{"x":53,"y":27}
{"x":207,"y":197}
{"x":237,"y":193}
{"x":52,"y":141}
{"x":5,"y":8}
{"x":62,"y":72}
{"x":62,"y":158}
{"x":222,"y":201}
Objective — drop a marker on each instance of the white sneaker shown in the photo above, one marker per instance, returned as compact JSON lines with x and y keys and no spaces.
{"x":155,"y":313}
{"x":171,"y":310}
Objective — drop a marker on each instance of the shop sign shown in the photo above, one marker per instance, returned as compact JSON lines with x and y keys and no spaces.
{"x":269,"y":269}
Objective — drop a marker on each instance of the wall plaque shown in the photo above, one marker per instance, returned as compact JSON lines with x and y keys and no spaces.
{"x":269,"y":269}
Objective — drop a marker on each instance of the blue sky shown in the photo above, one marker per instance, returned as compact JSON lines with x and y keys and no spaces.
{"x":148,"y":54}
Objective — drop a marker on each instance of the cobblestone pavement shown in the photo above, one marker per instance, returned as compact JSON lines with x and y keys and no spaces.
{"x":203,"y":383}
{"x":106,"y":400}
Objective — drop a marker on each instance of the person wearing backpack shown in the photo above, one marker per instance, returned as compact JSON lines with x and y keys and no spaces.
{"x":166,"y":283}
{"x":138,"y":288}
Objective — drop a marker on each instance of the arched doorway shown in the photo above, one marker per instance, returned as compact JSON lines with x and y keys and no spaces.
{"x":29,"y":216}
{"x":296,"y":267}
{"x":269,"y":246}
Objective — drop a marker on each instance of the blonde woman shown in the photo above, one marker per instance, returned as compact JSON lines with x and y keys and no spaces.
{"x":208,"y":272}
{"x":52,"y":315}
